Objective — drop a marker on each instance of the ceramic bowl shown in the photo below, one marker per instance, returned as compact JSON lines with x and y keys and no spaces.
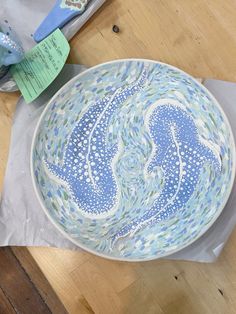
{"x":133,"y":160}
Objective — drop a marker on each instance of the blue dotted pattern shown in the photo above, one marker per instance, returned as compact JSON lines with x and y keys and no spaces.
{"x":181,"y":155}
{"x":87,"y":162}
{"x":138,"y":180}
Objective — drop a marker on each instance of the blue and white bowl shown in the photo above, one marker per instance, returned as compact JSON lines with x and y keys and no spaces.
{"x":133,"y":160}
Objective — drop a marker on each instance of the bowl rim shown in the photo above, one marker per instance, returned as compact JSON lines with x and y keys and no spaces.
{"x":82,"y":246}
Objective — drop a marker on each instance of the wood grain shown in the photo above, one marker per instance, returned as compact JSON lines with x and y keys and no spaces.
{"x":38,"y":279}
{"x":160,"y":286}
{"x":17,"y":288}
{"x":200,"y":37}
{"x":56,"y":265}
{"x":5,"y":305}
{"x":7,"y":108}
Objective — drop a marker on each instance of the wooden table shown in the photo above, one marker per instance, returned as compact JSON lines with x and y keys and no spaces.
{"x":198,"y":36}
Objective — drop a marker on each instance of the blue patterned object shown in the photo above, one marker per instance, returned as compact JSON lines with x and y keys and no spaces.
{"x":178,"y":151}
{"x":133,"y":160}
{"x":62,"y":12}
{"x":87,"y":164}
{"x":11,"y":51}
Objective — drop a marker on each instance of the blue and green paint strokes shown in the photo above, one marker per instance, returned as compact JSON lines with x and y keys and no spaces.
{"x":87,"y":163}
{"x":180,"y":154}
{"x":129,"y":156}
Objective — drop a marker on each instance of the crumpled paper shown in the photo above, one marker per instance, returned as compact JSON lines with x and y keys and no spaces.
{"x":24,"y":223}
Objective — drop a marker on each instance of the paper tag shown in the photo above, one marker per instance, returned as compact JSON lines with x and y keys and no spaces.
{"x":41,"y":65}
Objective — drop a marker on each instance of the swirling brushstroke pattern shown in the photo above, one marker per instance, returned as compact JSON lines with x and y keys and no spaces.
{"x":87,"y":167}
{"x":181,"y":154}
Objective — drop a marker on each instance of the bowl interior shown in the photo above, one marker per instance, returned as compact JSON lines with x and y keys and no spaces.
{"x":133,"y":160}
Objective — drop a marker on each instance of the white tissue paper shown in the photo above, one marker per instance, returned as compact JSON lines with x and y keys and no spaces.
{"x":23,"y":222}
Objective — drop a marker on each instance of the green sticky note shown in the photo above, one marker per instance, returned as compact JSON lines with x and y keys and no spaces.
{"x":41,"y":65}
